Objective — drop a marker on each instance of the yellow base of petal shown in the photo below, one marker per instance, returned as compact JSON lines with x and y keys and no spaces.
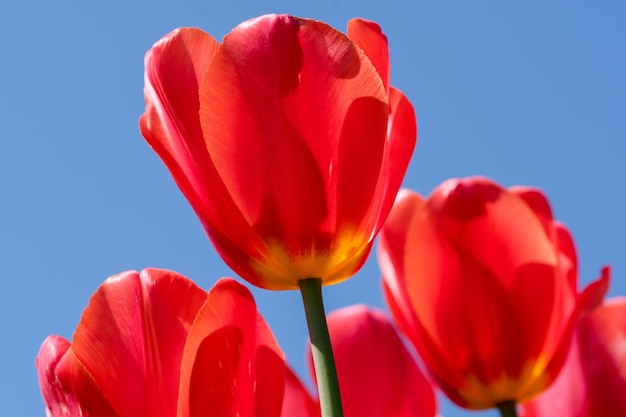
{"x":281,"y":269}
{"x":520,"y":388}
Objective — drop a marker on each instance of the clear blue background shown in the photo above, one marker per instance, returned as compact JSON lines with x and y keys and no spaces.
{"x":523,"y":92}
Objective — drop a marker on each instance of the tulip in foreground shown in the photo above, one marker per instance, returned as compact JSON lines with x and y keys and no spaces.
{"x":592,"y":382}
{"x":378,"y":376}
{"x":483,"y":281}
{"x":286,"y":139}
{"x":154,"y":344}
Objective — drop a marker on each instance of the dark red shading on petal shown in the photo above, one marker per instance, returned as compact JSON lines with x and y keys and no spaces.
{"x":378,"y":377}
{"x":360,"y":162}
{"x":492,"y":226}
{"x":287,"y":136}
{"x":297,"y":399}
{"x":231,"y":363}
{"x":130,"y":339}
{"x":465,"y":199}
{"x":539,"y":204}
{"x":370,"y":38}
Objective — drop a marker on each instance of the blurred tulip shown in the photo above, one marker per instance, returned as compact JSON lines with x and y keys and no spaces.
{"x":154,"y":344}
{"x":592,"y":382}
{"x":483,"y":281}
{"x":285,"y":138}
{"x":378,"y":377}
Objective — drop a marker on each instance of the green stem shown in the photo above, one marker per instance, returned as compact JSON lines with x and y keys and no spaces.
{"x":325,"y":371}
{"x":507,"y":409}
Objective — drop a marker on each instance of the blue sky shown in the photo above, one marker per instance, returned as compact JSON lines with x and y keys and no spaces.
{"x":528,"y":93}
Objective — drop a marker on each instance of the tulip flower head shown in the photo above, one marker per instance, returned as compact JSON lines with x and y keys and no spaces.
{"x":378,"y":376}
{"x":286,"y":139}
{"x":483,"y":281}
{"x":154,"y":344}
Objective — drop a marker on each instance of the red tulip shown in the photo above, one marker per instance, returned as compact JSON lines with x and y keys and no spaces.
{"x":378,"y":377}
{"x":154,"y":344}
{"x":285,"y":138}
{"x":484,"y":283}
{"x":592,"y":382}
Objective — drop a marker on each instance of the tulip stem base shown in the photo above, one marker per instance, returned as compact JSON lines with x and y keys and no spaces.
{"x":507,"y":409}
{"x":323,"y":360}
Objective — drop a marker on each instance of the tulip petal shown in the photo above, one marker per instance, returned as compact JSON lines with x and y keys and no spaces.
{"x":68,"y":390}
{"x":538,"y":203}
{"x":402,"y":132}
{"x":305,"y":100}
{"x":131,"y":336}
{"x":593,"y":380}
{"x":391,"y":251}
{"x":370,"y":38}
{"x":592,"y":296}
{"x":378,"y":377}
{"x":402,"y":127}
{"x":59,"y":402}
{"x":174,"y":68}
{"x":571,"y":398}
{"x":602,"y":337}
{"x":391,"y":254}
{"x":231,"y":363}
{"x":494,"y":226}
{"x":568,"y":259}
{"x":298,"y":400}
